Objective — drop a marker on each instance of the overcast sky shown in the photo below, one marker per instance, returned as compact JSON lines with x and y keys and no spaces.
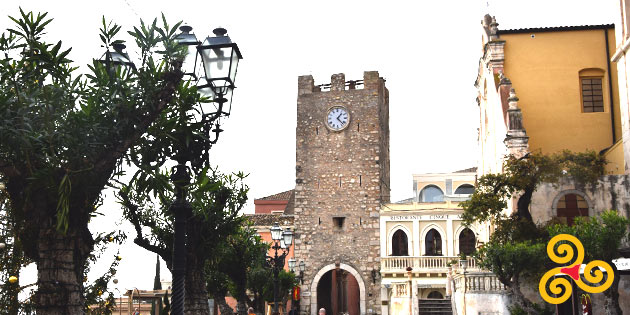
{"x":427,"y":51}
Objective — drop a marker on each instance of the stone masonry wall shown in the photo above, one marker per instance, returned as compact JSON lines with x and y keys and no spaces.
{"x":341,"y":174}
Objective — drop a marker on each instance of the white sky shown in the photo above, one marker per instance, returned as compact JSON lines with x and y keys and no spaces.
{"x":427,"y":51}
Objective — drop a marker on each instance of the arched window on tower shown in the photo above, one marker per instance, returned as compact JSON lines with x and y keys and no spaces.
{"x":399,"y":244}
{"x":465,"y":189}
{"x":433,"y":243}
{"x":467,"y":241}
{"x":431,"y":193}
{"x":571,"y":206}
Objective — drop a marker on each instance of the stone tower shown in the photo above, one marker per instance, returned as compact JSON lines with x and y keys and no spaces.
{"x":342,"y":178}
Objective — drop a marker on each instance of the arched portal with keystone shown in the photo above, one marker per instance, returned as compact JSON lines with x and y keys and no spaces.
{"x":324,"y":276}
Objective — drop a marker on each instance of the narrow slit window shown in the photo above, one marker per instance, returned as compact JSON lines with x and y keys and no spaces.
{"x":592,"y":95}
{"x":317,"y":130}
{"x":360,"y":181}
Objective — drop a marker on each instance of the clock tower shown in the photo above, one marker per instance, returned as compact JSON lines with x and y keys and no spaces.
{"x":342,"y":178}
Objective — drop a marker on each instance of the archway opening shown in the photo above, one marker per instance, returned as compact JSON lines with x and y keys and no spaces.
{"x":435,"y":295}
{"x":433,"y":243}
{"x":338,"y":292}
{"x":399,"y":244}
{"x":467,"y":241}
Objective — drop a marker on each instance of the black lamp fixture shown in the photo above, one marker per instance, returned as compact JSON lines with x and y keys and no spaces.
{"x":220,"y":60}
{"x":282,"y":240}
{"x":117,"y":58}
{"x":181,"y":207}
{"x":301,"y":266}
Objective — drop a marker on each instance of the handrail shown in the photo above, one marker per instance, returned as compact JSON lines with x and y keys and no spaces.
{"x":400,"y":263}
{"x":478,"y":282}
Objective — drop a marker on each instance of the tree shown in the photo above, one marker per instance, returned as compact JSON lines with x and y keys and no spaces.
{"x":601,"y":237}
{"x":216,"y":200}
{"x":516,"y":249}
{"x":63,"y":138}
{"x":242,"y":252}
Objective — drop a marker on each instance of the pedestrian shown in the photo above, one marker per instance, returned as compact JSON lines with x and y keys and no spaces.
{"x":136,"y":311}
{"x":322,"y":311}
{"x":250,"y":311}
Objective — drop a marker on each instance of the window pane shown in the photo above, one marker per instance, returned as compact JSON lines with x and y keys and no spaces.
{"x":431,"y":194}
{"x":586,"y":81}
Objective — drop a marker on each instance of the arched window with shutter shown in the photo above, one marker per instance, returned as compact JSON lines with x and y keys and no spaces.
{"x":433,"y":243}
{"x":400,"y":244}
{"x":467,"y":241}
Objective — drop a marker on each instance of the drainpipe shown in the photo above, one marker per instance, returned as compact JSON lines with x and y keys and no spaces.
{"x":610,"y":89}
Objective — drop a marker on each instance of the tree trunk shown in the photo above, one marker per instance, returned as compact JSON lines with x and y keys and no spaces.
{"x":522,"y":206}
{"x":224,"y":308}
{"x":520,"y":299}
{"x":60,"y":268}
{"x":196,"y":300}
{"x":611,"y":303}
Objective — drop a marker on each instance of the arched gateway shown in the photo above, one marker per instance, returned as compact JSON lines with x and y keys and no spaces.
{"x":338,"y":290}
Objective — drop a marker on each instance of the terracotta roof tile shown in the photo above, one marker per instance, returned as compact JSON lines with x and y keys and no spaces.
{"x":285,"y":195}
{"x":556,"y":28}
{"x":467,"y":170}
{"x":269,"y":219}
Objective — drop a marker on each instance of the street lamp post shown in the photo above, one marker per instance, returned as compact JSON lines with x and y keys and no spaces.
{"x":281,"y":241}
{"x":216,"y":82}
{"x":219,"y":57}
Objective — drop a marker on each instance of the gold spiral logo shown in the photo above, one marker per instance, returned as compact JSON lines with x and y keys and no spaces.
{"x":568,"y":250}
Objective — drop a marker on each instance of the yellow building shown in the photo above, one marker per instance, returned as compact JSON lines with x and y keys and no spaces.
{"x":565,"y":93}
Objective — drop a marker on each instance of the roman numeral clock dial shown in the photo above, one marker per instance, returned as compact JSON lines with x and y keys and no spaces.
{"x":337,"y":118}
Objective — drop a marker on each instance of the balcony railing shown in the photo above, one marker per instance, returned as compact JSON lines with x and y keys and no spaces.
{"x":478,"y":282}
{"x":423,"y":263}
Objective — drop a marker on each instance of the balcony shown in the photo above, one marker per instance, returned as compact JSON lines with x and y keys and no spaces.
{"x":399,"y":264}
{"x":476,"y":282}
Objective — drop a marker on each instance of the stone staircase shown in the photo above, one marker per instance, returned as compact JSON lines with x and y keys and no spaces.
{"x":435,"y":307}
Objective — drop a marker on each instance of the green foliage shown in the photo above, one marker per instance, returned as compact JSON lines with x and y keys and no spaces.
{"x":99,"y":299}
{"x":523,"y":176}
{"x":601,"y":236}
{"x":63,"y":136}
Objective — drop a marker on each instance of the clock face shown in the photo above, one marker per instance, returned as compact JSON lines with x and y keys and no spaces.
{"x":337,"y":118}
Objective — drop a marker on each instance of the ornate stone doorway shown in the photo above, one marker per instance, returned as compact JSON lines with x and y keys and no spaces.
{"x":340,"y":290}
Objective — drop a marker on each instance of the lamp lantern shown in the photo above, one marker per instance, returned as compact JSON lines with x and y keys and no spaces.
{"x":291,"y":264}
{"x":276,"y":232}
{"x":188,"y":39}
{"x":220,"y":59}
{"x":287,"y":237}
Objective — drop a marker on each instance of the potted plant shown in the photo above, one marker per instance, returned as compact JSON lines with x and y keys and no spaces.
{"x":463,"y":262}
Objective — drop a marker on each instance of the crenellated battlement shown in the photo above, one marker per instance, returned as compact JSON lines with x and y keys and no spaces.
{"x":371,"y":80}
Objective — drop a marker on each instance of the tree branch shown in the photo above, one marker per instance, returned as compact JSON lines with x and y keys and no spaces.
{"x":108,"y":159}
{"x":140,"y":240}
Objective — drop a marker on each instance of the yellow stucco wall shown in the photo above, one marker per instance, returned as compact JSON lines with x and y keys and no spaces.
{"x":615,"y":159}
{"x":544,"y":70}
